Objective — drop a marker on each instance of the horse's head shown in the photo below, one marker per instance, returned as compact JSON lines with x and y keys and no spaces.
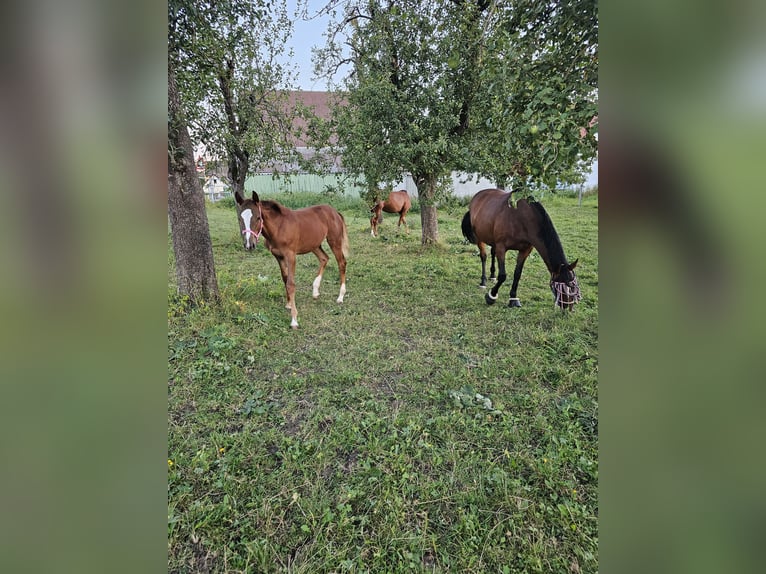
{"x":250,"y":219}
{"x":566,"y":291}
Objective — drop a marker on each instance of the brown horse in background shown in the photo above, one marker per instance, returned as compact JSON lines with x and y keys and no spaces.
{"x":291,"y":232}
{"x":397,"y":202}
{"x":492,"y":220}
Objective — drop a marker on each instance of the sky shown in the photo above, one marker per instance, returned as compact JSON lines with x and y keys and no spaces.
{"x":308,"y":34}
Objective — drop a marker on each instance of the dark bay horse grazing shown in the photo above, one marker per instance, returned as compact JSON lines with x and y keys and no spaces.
{"x":492,"y":220}
{"x":397,"y":202}
{"x":291,"y":232}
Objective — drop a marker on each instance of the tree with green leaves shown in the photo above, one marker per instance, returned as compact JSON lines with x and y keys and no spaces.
{"x":195,"y":268}
{"x":536,"y":102}
{"x":404,"y":102}
{"x":498,"y":88}
{"x":229,"y":91}
{"x":232,"y":82}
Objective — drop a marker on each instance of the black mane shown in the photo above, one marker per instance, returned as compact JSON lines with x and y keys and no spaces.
{"x":548,"y":234}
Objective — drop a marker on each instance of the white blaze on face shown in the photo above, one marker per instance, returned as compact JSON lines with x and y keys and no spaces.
{"x":246,"y":216}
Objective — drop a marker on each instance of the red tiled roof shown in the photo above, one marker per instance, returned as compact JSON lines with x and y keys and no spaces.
{"x":320,"y":102}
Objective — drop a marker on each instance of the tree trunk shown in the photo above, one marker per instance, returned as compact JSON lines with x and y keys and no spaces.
{"x":238,"y":166}
{"x":195,"y":269}
{"x":239,"y":159}
{"x":428,"y":218}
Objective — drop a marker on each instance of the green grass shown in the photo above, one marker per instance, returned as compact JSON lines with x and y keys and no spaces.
{"x":358,"y":442}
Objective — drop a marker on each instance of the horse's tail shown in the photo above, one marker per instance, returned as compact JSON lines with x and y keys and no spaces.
{"x":467,"y":228}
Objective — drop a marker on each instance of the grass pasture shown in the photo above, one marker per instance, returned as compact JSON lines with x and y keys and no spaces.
{"x":410,"y":429}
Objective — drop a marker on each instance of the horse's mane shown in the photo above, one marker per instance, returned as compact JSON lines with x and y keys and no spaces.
{"x":273,"y":205}
{"x":550,"y":238}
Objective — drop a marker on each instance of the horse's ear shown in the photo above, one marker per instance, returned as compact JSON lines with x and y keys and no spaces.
{"x":573,"y":264}
{"x":238,"y":198}
{"x":255,"y":197}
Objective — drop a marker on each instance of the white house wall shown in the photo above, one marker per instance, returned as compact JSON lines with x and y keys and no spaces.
{"x":462,"y":186}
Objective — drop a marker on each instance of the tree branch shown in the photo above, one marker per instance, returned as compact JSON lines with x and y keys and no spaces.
{"x":224,"y":82}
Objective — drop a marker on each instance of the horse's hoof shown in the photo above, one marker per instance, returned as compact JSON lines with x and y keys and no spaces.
{"x":482,"y":286}
{"x":489,"y":299}
{"x":514,"y":303}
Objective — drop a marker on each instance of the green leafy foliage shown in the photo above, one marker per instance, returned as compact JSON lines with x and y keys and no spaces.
{"x":497,"y":88}
{"x":232,"y":82}
{"x":537,"y":91}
